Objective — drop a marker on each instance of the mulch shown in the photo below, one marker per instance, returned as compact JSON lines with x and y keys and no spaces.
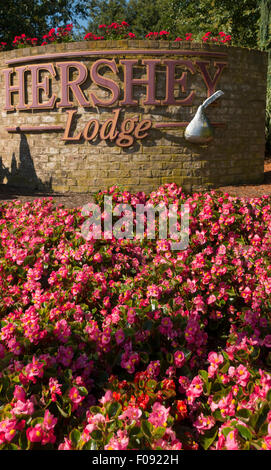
{"x":74,"y":200}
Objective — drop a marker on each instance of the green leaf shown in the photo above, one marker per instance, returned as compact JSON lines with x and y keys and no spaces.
{"x":159,"y":432}
{"x":226,"y":431}
{"x":97,"y":435}
{"x":75,"y":436}
{"x":218,"y":416}
{"x":35,"y":421}
{"x":83,"y":391}
{"x":225,"y":356}
{"x":114,"y":409}
{"x":144,"y":357}
{"x":62,"y":412}
{"x":268,"y":395}
{"x":23,"y":442}
{"x":261,"y":416}
{"x":208,"y":438}
{"x":244,"y":431}
{"x":243,"y":413}
{"x":95,"y":409}
{"x":134,"y":431}
{"x":11,"y":446}
{"x":169,"y":358}
{"x":146,"y":428}
{"x":88,"y":445}
{"x":151,"y":384}
{"x":204,"y":375}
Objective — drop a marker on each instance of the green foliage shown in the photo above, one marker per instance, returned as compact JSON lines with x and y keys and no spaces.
{"x":34,"y":18}
{"x":265,"y":24}
{"x":105,"y":12}
{"x":240,"y":19}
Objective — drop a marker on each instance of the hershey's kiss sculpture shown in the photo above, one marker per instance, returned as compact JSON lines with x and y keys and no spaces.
{"x":199,"y":130}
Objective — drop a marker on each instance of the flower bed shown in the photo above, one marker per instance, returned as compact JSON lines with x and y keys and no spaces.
{"x":112,"y":31}
{"x":125,"y":344}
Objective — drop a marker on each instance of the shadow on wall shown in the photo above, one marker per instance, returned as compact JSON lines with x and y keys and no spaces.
{"x":23,"y":175}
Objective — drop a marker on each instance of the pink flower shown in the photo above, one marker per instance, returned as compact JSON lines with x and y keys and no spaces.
{"x":118,"y":442}
{"x":132,"y":414}
{"x":66,"y":445}
{"x":203,"y":423}
{"x":75,"y":396}
{"x":49,"y":421}
{"x":159,"y":415}
{"x":211,"y":299}
{"x":267,"y":341}
{"x":119,"y":336}
{"x":19,"y":393}
{"x":55,"y":388}
{"x":242,"y":375}
{"x":195,"y":389}
{"x":108,"y":396}
{"x":2,"y":351}
{"x":231,"y":440}
{"x":179,"y":358}
{"x":23,"y":408}
{"x":35,"y":434}
{"x":267,"y":443}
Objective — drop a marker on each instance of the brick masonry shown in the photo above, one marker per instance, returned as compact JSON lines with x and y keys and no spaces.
{"x":41,"y":160}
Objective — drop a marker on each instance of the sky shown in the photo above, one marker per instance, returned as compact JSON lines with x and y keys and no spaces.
{"x":83,"y":24}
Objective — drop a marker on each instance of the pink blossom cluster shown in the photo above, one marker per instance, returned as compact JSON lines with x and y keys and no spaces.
{"x":127,"y":344}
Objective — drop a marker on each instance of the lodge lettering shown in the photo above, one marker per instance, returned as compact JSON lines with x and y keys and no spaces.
{"x":130,"y":129}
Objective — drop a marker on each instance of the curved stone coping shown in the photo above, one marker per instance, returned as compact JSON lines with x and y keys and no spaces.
{"x":64,"y":55}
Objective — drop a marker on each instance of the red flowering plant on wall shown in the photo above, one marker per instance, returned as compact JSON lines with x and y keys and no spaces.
{"x":61,"y":34}
{"x":221,"y":38}
{"x":3,"y":46}
{"x":188,"y":37}
{"x":23,"y":41}
{"x":112,"y":31}
{"x":93,"y":37}
{"x":156,"y":35}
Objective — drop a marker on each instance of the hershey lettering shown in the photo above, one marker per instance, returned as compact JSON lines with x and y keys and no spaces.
{"x":73,"y":91}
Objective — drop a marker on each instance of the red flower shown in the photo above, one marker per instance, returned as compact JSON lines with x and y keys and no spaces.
{"x":168,"y":384}
{"x":181,"y":409}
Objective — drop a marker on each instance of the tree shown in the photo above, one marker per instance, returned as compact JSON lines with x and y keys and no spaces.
{"x":265,"y":24}
{"x":34,"y":17}
{"x":240,"y":19}
{"x":106,"y":12}
{"x":143,"y":16}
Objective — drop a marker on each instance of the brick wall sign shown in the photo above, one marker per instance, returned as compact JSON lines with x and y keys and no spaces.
{"x":84,"y":116}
